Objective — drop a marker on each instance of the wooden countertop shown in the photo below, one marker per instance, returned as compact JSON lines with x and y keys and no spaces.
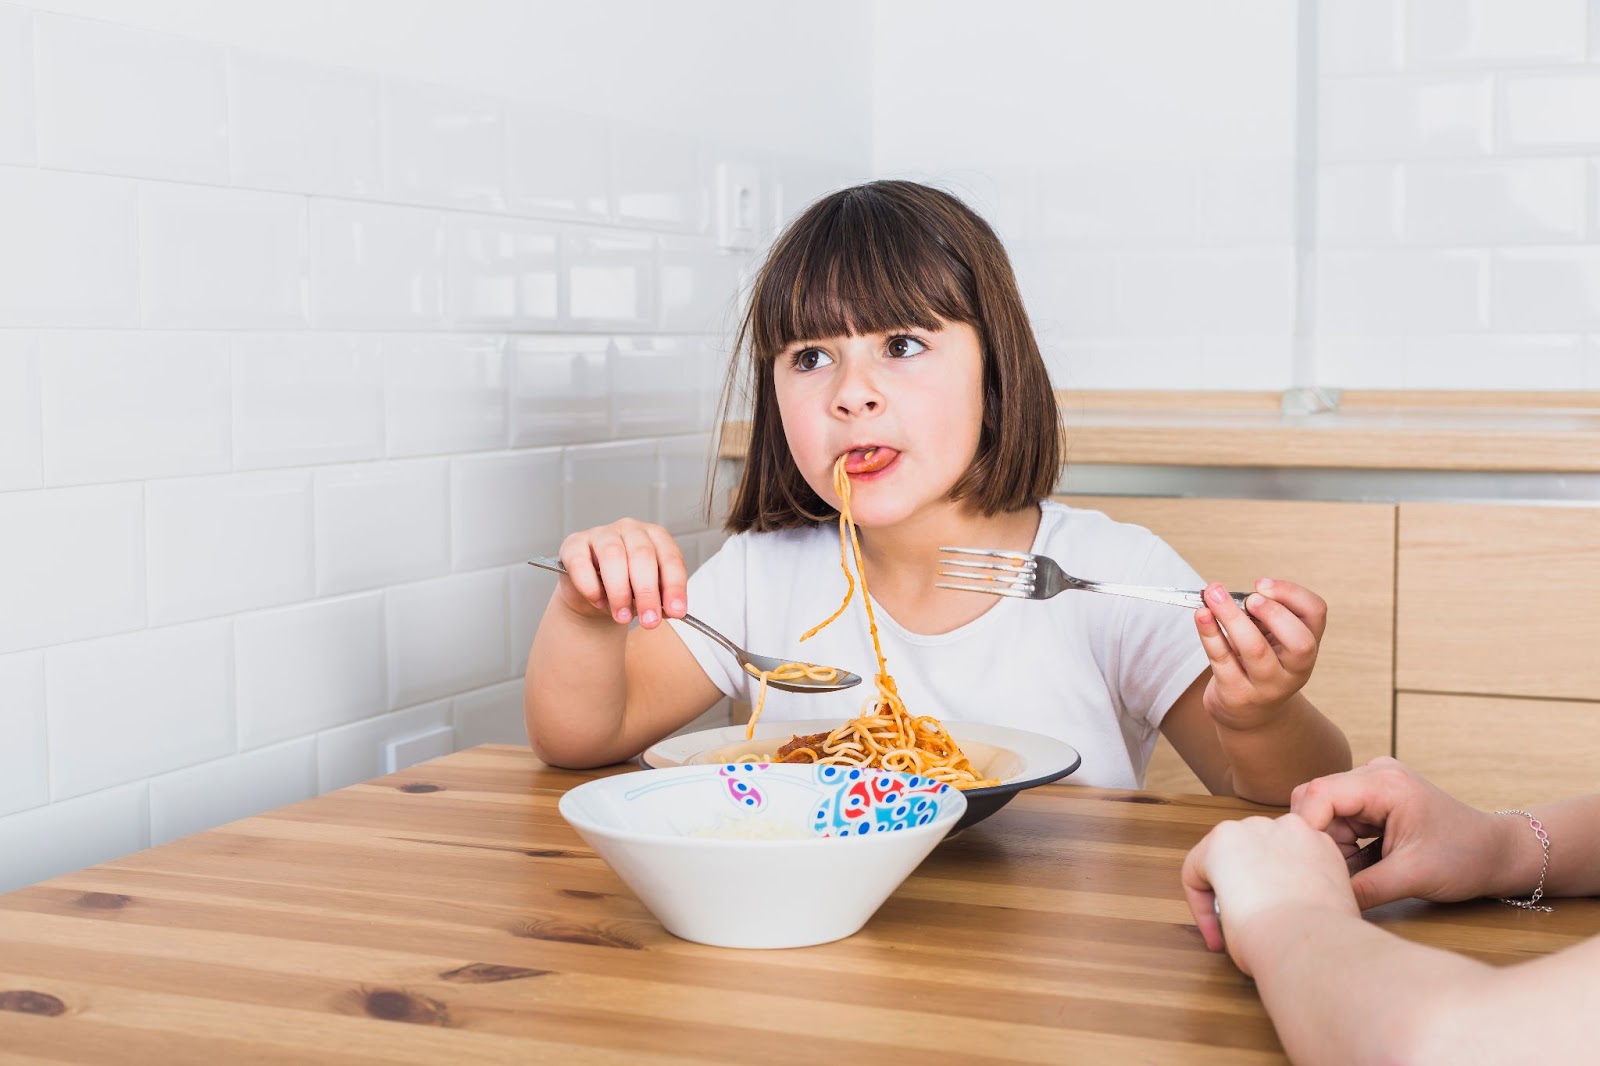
{"x":447,"y":914}
{"x":1548,"y":431}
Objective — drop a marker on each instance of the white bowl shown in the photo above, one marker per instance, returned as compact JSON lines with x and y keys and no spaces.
{"x":750,"y":855}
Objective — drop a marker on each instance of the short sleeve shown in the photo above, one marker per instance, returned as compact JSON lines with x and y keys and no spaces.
{"x":1159,"y":653}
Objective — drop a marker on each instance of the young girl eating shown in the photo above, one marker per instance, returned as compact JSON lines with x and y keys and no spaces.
{"x":885,"y":329}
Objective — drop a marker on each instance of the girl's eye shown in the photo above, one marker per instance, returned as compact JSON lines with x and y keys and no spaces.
{"x":810,"y":359}
{"x":901,"y":347}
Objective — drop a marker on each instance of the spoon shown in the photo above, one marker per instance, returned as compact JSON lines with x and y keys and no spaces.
{"x":842,"y":678}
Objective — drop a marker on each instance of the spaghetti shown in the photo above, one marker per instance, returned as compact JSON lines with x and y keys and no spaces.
{"x":885,"y":734}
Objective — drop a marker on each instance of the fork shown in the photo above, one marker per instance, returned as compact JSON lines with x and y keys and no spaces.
{"x":1038,"y":577}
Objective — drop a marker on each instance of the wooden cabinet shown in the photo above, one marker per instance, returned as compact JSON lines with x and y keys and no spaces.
{"x":1345,"y":552}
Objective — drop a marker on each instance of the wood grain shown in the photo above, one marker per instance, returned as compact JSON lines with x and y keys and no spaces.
{"x":448,"y":914}
{"x":1499,"y":600}
{"x":1342,"y":551}
{"x":1497,"y":753}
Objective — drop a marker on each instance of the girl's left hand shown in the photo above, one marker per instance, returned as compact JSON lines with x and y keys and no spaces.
{"x":1258,"y":659}
{"x":1244,"y":869}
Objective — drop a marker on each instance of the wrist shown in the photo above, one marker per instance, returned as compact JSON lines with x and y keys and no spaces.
{"x":1524,"y":854}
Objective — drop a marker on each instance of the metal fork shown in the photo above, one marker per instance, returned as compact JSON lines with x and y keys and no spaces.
{"x":1038,"y":577}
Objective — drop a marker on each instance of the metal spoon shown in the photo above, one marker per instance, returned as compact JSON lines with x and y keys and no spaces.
{"x":844,"y":679}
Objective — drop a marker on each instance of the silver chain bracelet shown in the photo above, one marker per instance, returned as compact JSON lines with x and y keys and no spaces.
{"x":1532,"y":902}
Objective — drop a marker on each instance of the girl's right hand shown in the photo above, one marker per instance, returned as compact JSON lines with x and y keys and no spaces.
{"x":1434,"y":846}
{"x":624,"y":570}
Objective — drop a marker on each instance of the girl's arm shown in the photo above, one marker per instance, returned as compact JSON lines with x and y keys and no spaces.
{"x":596,"y":692}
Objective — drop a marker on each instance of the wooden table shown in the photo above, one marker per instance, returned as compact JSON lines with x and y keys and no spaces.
{"x":447,"y":914}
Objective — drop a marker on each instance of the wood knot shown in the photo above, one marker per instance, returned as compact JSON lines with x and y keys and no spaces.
{"x":580,"y":893}
{"x":421,"y":786}
{"x":396,"y":1005}
{"x":103,"y":901}
{"x":1141,"y":799}
{"x":547,"y":853}
{"x":27,"y":1001}
{"x":483,"y":973}
{"x":572,"y":933}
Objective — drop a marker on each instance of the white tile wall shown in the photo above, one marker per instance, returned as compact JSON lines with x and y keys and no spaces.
{"x":23,"y":767}
{"x":354,"y":753}
{"x":381,"y":524}
{"x":443,"y":145}
{"x":560,"y":390}
{"x":60,"y":837}
{"x":1478,"y":32}
{"x":504,"y":273}
{"x":505,"y":507}
{"x":21,"y":460}
{"x":446,"y":636}
{"x":16,"y":85}
{"x":611,"y":280}
{"x":656,"y":386}
{"x":657,"y":179}
{"x":559,"y":164}
{"x":490,"y":715}
{"x":304,"y":669}
{"x":225,"y":790}
{"x":444,"y":394}
{"x":606,"y":482}
{"x":376,"y":266}
{"x":305,"y":398}
{"x":302,"y":127}
{"x":69,"y":253}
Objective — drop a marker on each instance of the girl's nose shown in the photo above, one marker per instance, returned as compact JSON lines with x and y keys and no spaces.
{"x":857,"y":393}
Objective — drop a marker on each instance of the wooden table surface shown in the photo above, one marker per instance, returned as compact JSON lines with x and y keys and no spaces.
{"x":447,"y":914}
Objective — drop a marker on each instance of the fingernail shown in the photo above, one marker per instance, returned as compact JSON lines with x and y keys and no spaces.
{"x":648,"y":618}
{"x":1253,"y":600}
{"x":1264,"y":584}
{"x":1216,"y":594}
{"x":624,"y":615}
{"x":676,"y":606}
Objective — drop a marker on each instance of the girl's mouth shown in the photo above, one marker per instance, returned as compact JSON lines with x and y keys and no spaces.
{"x":869,"y":460}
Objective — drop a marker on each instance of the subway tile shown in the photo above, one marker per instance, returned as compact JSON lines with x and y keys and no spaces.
{"x":1454,"y":32}
{"x":59,"y":838}
{"x":1594,"y":196}
{"x":121,"y":406}
{"x":72,"y":565}
{"x":444,"y":394}
{"x":381,"y":523}
{"x":1399,"y":118}
{"x":700,"y":286}
{"x":1359,"y":36}
{"x":606,"y":482}
{"x":376,"y":266}
{"x":310,"y":667}
{"x":1358,"y":204}
{"x":305,"y":398}
{"x":1519,"y":201}
{"x":119,"y":100}
{"x":354,"y":753}
{"x":656,"y":179}
{"x":218,"y":258}
{"x":684,"y":462}
{"x":302,"y":127}
{"x":1541,"y":290}
{"x":446,"y":636}
{"x":1594,"y":29}
{"x":656,"y":386}
{"x":68,"y":257}
{"x":1248,"y":362}
{"x":16,"y":86}
{"x":1117,"y":204}
{"x":611,"y":280}
{"x":23,"y":780}
{"x":559,"y":389}
{"x":1068,"y":292}
{"x":443,"y":145}
{"x":1550,"y":111}
{"x":1222,"y":291}
{"x":505,"y":507}
{"x":530,"y":594}
{"x":1591,"y":364}
{"x":490,"y":715}
{"x":21,"y":460}
{"x":220,"y":545}
{"x":137,"y":705}
{"x":1246,"y":203}
{"x":1424,"y":290}
{"x":226,"y":790}
{"x":1494,"y":363}
{"x":560,"y":164}
{"x":504,"y":273}
{"x":1375,"y":362}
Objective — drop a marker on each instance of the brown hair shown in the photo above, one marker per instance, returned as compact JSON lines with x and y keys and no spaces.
{"x":875,"y":258}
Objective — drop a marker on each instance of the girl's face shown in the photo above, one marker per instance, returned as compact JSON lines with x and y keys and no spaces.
{"x":905,"y":407}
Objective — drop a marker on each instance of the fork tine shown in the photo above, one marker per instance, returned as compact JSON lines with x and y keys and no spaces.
{"x":1014,"y":580}
{"x":1020,"y":557}
{"x":972,"y":564}
{"x":991,"y":590}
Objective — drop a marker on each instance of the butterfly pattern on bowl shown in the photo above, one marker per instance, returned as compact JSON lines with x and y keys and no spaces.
{"x":852,"y":801}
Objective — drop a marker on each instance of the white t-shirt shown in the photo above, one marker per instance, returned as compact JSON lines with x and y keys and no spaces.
{"x":1098,"y":672}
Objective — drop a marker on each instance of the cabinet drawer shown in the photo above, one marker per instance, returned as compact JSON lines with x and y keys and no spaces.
{"x":1342,"y":551}
{"x":1499,"y":600}
{"x":1496,"y":753}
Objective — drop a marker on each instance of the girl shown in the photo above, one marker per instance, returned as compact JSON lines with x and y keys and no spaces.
{"x":886,"y":327}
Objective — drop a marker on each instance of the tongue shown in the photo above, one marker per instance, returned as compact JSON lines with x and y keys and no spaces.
{"x":867,"y":460}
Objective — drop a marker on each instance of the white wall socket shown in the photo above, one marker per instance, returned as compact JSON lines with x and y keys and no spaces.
{"x":418,"y":747}
{"x":738,"y":206}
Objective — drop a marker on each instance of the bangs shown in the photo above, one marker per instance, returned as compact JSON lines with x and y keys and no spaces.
{"x":853,"y":265}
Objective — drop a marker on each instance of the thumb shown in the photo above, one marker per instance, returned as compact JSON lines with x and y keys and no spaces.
{"x":1382,"y":882}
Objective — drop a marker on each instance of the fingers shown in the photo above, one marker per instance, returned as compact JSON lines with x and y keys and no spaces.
{"x":1198,"y":893}
{"x":1365,"y":795}
{"x":1307,"y":606}
{"x":628,"y":569}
